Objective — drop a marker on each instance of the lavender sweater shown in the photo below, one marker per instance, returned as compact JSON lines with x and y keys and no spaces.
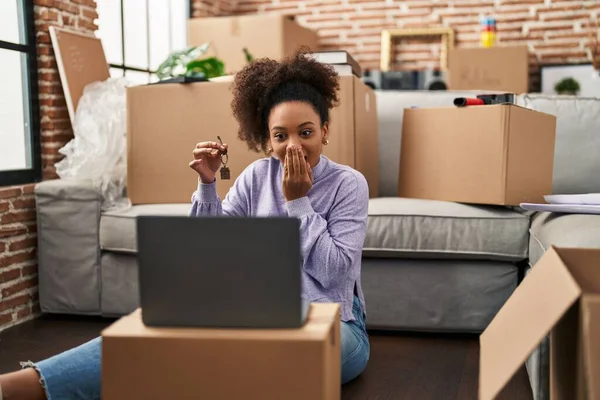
{"x":333,"y":219}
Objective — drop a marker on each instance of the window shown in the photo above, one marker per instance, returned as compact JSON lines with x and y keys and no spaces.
{"x":20,"y":160}
{"x":138,"y":35}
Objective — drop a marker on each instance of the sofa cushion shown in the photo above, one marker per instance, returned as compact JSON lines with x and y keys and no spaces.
{"x":562,"y":230}
{"x":118,"y":228}
{"x":576,"y":161}
{"x":413,"y":228}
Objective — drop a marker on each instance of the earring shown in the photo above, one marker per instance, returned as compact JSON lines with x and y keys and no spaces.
{"x":270,"y":149}
{"x":325,"y":141}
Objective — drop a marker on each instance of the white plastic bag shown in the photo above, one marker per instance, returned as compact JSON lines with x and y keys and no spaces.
{"x":98,"y":151}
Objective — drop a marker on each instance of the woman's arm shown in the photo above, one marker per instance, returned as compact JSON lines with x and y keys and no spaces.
{"x":331,"y":246}
{"x":206,"y":202}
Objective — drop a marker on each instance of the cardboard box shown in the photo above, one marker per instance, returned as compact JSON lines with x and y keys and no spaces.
{"x":186,"y":363}
{"x":164,"y":124}
{"x":354,"y":131}
{"x":502,"y":68}
{"x":560,"y":297}
{"x":266,"y":35}
{"x":165,"y":121}
{"x":493,"y":154}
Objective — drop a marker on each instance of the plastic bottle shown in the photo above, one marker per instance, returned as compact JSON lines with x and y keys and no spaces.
{"x":488,"y":31}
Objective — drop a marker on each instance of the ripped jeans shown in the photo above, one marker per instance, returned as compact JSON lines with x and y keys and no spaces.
{"x":75,"y":374}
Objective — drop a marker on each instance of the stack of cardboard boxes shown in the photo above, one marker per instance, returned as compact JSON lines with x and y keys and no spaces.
{"x":165,"y":121}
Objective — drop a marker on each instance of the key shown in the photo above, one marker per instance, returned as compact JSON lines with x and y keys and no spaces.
{"x":225,"y":173}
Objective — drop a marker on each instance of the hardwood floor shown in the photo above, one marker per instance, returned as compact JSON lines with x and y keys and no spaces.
{"x":402,"y":366}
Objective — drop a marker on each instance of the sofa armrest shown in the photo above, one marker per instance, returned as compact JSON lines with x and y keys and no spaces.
{"x":68,"y":218}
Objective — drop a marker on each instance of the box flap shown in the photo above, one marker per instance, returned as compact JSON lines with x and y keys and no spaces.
{"x":591,"y":345}
{"x":526,"y":318}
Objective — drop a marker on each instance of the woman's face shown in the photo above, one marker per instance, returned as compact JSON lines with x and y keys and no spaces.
{"x":297,"y":123}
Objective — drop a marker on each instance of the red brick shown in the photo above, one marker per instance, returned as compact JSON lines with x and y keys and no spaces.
{"x":29,"y":270}
{"x":2,"y":247}
{"x":554,"y":45}
{"x":47,"y":76}
{"x":58,"y":137}
{"x":562,"y":6}
{"x":32,"y":227}
{"x":28,"y":189}
{"x":86,"y":25}
{"x":19,"y":287}
{"x":558,"y":54}
{"x":89,"y":13}
{"x":550,"y":26}
{"x":526,"y":2}
{"x":378,"y":6}
{"x":48,"y":15}
{"x":369,"y":15}
{"x":475,"y":4}
{"x":44,"y":3}
{"x":281,"y":7}
{"x":5,"y":319}
{"x":4,"y":206}
{"x":381,"y":24}
{"x":43,"y":37}
{"x":47,"y":64}
{"x":17,"y":216}
{"x":10,"y":275}
{"x":68,"y":7}
{"x":57,"y":113}
{"x":69,"y":20}
{"x":23,"y":244}
{"x":24,"y":203}
{"x":562,"y":16}
{"x":23,"y":313}
{"x":13,"y":259}
{"x":15,"y":302}
{"x":43,"y":50}
{"x":50,"y":88}
{"x":337,"y":10}
{"x":10,"y":231}
{"x":10,"y":192}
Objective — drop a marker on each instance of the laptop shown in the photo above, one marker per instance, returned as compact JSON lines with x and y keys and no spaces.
{"x":220,"y":272}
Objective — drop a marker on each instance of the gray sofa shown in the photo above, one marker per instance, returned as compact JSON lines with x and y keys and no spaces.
{"x":427,"y":265}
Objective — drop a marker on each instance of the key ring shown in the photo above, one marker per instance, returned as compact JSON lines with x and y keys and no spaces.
{"x":223,"y":155}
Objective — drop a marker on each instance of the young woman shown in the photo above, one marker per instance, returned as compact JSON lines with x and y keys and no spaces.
{"x":282,"y":109}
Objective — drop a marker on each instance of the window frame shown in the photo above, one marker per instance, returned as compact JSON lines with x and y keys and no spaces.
{"x":34,"y":173}
{"x":124,"y":67}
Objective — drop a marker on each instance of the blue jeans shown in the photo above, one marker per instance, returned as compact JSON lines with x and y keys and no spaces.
{"x":75,"y":374}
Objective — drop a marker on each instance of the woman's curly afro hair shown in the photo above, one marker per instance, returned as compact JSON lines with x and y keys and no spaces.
{"x":264,"y":83}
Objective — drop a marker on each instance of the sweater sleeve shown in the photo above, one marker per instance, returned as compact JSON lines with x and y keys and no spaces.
{"x":330,"y":247}
{"x":206,"y":201}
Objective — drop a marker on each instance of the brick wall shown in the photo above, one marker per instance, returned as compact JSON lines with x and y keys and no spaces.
{"x":554,"y":30}
{"x":209,"y":8}
{"x":18,"y":269}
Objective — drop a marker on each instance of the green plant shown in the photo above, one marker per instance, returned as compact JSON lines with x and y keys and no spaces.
{"x":249,"y":57}
{"x":176,"y":63}
{"x":567,"y":86}
{"x":189,"y":62}
{"x":208,"y":68}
